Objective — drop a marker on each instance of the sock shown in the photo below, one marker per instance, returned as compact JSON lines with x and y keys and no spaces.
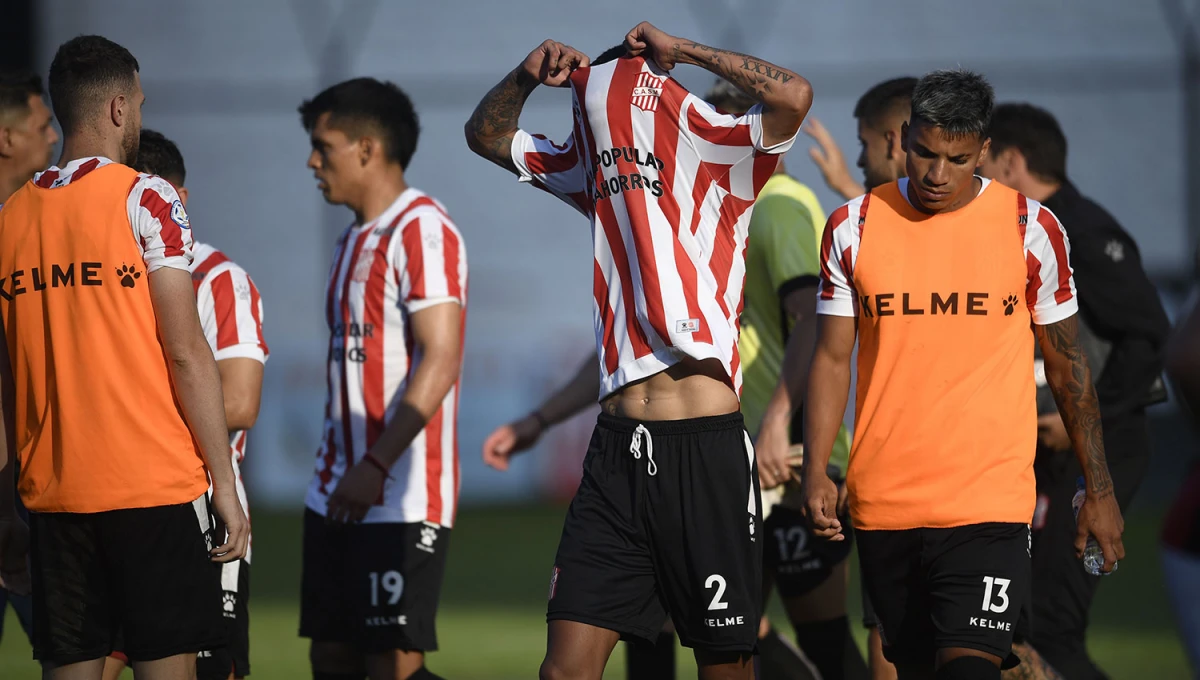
{"x":824,"y":643}
{"x":339,"y":676}
{"x":423,"y":673}
{"x":968,"y":668}
{"x":645,"y":661}
{"x":779,"y":660}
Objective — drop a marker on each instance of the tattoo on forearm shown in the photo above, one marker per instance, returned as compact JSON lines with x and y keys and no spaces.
{"x":1076,"y":399}
{"x":495,"y":118}
{"x":750,"y":74}
{"x":1033,"y":666}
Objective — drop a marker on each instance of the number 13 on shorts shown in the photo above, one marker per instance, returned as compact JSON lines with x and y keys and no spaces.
{"x":1000,"y":604}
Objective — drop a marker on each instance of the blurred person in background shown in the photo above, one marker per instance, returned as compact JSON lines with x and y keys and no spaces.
{"x":777,"y":326}
{"x":1181,"y":530}
{"x":114,"y":391}
{"x":653,"y":528}
{"x":881,"y":112}
{"x":383,"y":496}
{"x":27,"y":139}
{"x":921,"y":551}
{"x":1123,"y":330}
{"x":231,"y":315}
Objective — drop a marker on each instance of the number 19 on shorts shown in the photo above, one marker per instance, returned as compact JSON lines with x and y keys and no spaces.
{"x":392,"y":584}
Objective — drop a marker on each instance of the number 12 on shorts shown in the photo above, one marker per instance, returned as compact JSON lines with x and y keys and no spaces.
{"x":1002,"y":583}
{"x":393,"y":585}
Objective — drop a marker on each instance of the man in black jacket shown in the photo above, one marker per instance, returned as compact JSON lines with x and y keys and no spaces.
{"x":1123,"y":328}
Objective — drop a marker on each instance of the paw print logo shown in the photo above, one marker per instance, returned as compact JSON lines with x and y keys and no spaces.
{"x":428,"y":536}
{"x":228,"y":600}
{"x":128,"y":275}
{"x":1009,"y":303}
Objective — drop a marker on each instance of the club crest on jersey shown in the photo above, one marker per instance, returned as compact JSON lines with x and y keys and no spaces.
{"x":647,"y":91}
{"x":179,"y":215}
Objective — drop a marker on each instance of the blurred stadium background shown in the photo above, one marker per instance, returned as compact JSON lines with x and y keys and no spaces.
{"x":223,"y":78}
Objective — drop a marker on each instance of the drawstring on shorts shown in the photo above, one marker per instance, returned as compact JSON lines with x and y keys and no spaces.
{"x":635,"y":447}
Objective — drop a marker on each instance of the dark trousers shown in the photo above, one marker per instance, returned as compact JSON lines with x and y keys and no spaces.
{"x":1062,"y":590}
{"x":21,"y":604}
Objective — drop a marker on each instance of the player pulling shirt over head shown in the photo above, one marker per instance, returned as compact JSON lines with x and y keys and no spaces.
{"x":667,"y":512}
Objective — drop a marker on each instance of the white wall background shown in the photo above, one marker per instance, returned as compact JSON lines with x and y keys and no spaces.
{"x":223,"y":79}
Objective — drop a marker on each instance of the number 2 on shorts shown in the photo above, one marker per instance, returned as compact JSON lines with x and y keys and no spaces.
{"x":988,"y":605}
{"x":392,"y":582}
{"x":719,"y":582}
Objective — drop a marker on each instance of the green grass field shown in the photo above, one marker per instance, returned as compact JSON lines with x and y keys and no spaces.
{"x":492,"y":626}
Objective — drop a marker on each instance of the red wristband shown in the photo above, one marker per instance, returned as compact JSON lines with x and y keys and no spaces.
{"x":378,"y":465}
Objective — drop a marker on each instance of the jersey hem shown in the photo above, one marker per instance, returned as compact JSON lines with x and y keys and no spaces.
{"x":1059,"y":312}
{"x":657,"y":362}
{"x":243,"y":350}
{"x":835,"y":308}
{"x":947,"y":524}
{"x":415,"y":306}
{"x":377,"y":514}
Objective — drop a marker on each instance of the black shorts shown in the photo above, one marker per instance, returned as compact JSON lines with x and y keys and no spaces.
{"x":666,"y":520}
{"x":374,"y":586}
{"x":937,"y":588}
{"x":144,"y":573}
{"x":799,"y":561}
{"x":216,"y":664}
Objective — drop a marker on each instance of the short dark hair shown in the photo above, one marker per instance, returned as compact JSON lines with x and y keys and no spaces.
{"x":86,"y":69}
{"x":158,"y":155}
{"x":727,"y":97}
{"x":364,"y":105}
{"x":16,"y":87}
{"x":957,"y":100}
{"x":1036,"y":134}
{"x":611,"y":54}
{"x":889,"y":98}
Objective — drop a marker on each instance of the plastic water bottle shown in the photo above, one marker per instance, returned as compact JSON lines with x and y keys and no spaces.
{"x":1093,"y":556}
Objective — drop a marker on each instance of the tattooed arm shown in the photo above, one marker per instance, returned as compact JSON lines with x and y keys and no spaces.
{"x":785,"y":96}
{"x":491,"y":127}
{"x":1070,"y":380}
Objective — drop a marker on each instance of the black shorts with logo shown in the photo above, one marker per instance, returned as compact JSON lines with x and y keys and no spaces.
{"x":666,"y":521}
{"x":938,"y":588}
{"x":143,"y":574}
{"x":799,"y":561}
{"x":216,"y":664}
{"x":374,"y":586}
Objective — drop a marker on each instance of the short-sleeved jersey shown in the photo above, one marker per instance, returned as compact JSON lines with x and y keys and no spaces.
{"x":945,"y":426}
{"x":781,"y":257}
{"x":408,"y":259}
{"x":231,"y":315}
{"x":668,"y":183}
{"x":97,"y":424}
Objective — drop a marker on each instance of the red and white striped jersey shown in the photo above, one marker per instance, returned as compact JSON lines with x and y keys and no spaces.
{"x":409,"y":258}
{"x":668,"y":183}
{"x":1050,"y":290}
{"x":231,"y":315}
{"x":160,"y":224}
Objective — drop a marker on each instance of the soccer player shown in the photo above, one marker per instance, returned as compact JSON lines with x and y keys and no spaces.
{"x":231,"y":315}
{"x":781,"y":259}
{"x":111,"y":388}
{"x":667,"y":181}
{"x":27,"y":138}
{"x":1120,"y":315}
{"x":941,"y":473}
{"x":382,"y":501}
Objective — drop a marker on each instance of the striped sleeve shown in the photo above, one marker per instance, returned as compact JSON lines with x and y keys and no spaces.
{"x":430,"y":262}
{"x":717,"y":135}
{"x":1050,"y":286}
{"x":839,"y":251}
{"x":232,"y":320}
{"x":160,"y":224}
{"x":558,"y":169}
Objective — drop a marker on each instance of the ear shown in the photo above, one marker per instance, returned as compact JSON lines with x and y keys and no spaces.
{"x":983,"y":152}
{"x":6,"y":140}
{"x":904,"y":136}
{"x":116,"y":110}
{"x":183,"y":194}
{"x":367,"y":148}
{"x":895,"y":144}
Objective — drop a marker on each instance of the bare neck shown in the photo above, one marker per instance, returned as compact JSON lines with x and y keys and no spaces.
{"x":1038,"y":189}
{"x":87,"y":146}
{"x":379,"y":195}
{"x":10,"y":180}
